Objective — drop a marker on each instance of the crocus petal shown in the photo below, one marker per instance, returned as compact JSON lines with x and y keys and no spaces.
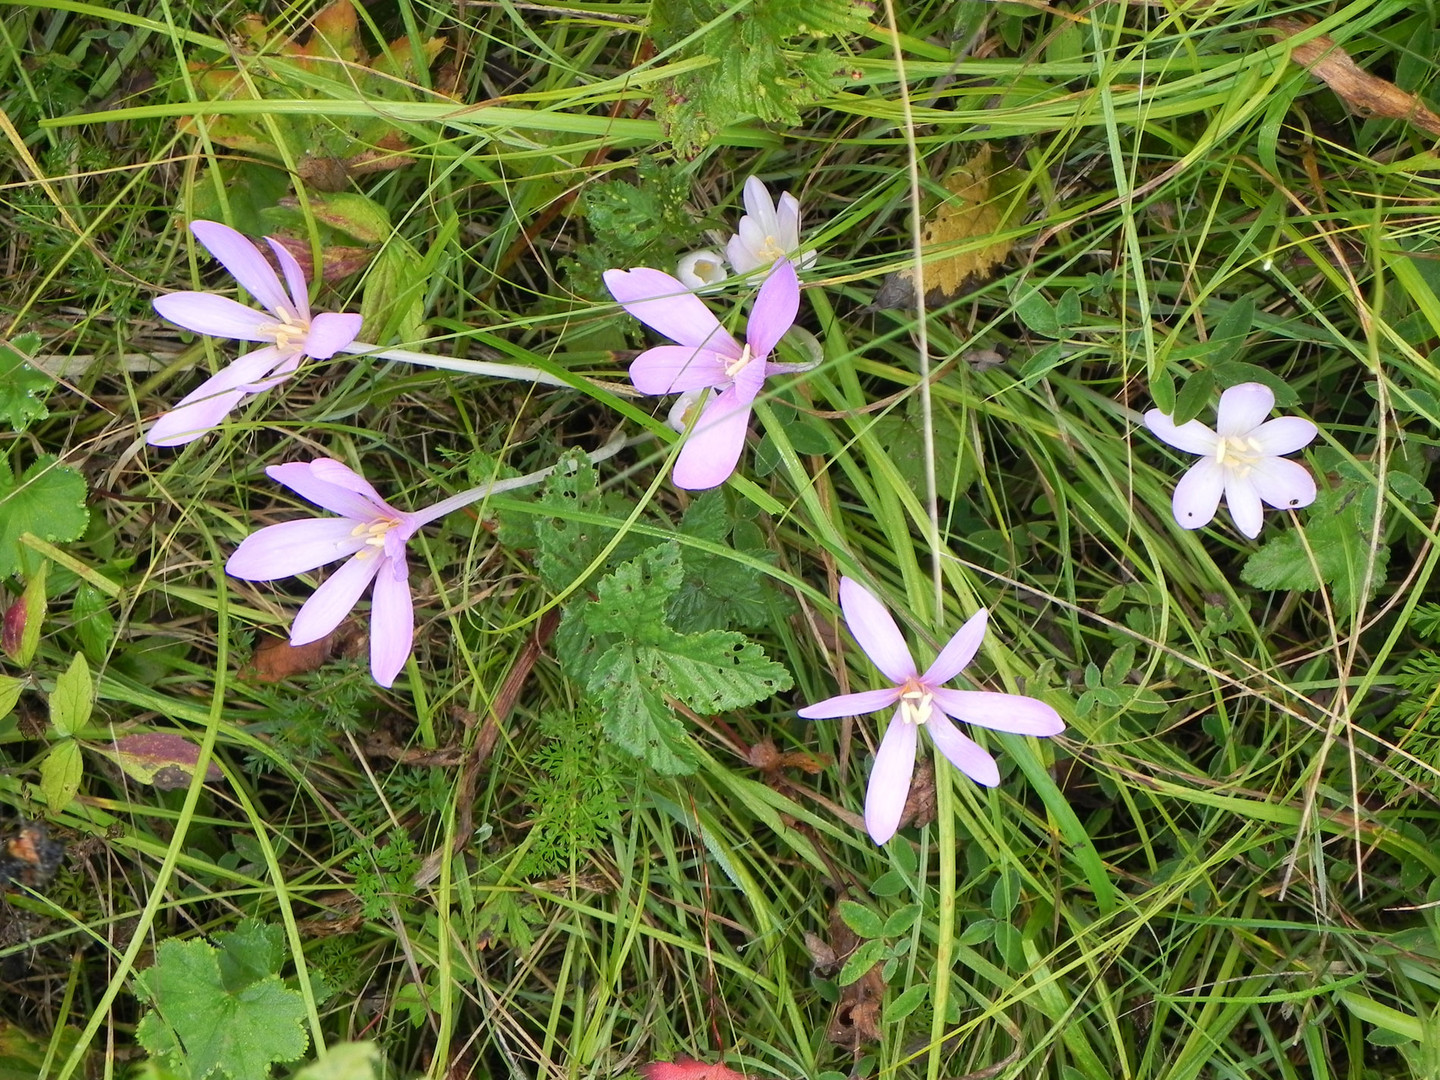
{"x":186,"y":423}
{"x":218,"y":316}
{"x":958,"y":651}
{"x":1243,"y":502}
{"x":294,"y":280}
{"x":293,"y":547}
{"x":787,"y":220}
{"x":1192,"y":436}
{"x":775,"y":309}
{"x":331,"y":331}
{"x":740,"y":253}
{"x":210,"y":402}
{"x":334,"y":486}
{"x":1283,"y":484}
{"x":392,"y":621}
{"x":349,"y":504}
{"x":1002,"y":712}
{"x":1284,"y":435}
{"x":332,"y":601}
{"x":664,"y":304}
{"x":673,"y":369}
{"x":875,"y":631}
{"x":701,"y":269}
{"x":866,"y":701}
{"x":1197,"y":495}
{"x":710,"y":453}
{"x":239,"y":255}
{"x":962,"y":751}
{"x":1243,"y":408}
{"x":890,"y":780}
{"x":760,"y":208}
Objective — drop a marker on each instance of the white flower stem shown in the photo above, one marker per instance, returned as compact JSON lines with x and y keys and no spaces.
{"x":468,"y":367}
{"x":455,"y":502}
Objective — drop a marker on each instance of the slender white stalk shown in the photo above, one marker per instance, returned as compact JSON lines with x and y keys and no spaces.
{"x":432,"y":513}
{"x":468,"y":367}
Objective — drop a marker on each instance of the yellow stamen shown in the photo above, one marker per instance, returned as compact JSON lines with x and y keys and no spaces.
{"x":1238,"y":454}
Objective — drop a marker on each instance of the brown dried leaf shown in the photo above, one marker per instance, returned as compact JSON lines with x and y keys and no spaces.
{"x":979,"y":207}
{"x":920,"y":803}
{"x":276,"y":658}
{"x":856,"y":1019}
{"x":1366,"y":94}
{"x":337,"y":260}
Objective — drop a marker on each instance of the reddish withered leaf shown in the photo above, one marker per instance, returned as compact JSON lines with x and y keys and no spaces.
{"x":688,"y":1069}
{"x":167,"y":761}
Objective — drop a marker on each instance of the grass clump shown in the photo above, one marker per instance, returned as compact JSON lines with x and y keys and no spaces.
{"x":585,"y":830}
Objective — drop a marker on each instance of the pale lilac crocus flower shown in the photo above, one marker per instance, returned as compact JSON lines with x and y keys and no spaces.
{"x":1240,"y":459}
{"x":767,"y":232}
{"x":708,"y":357}
{"x":286,"y":328}
{"x":372,"y":535}
{"x":923,"y":701}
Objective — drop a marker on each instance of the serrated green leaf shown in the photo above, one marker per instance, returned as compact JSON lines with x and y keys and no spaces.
{"x":23,"y":388}
{"x":906,"y":1003}
{"x":9,"y":694}
{"x":566,"y":547}
{"x":765,"y":63}
{"x":1337,"y":526}
{"x":631,"y":601}
{"x":250,"y":953}
{"x":60,"y":775}
{"x":49,"y":501}
{"x":861,"y":920}
{"x":634,"y":713}
{"x":196,"y":1020}
{"x":346,"y":1061}
{"x":709,"y":672}
{"x":860,"y":961}
{"x":719,"y":670}
{"x":73,"y":698}
{"x":719,"y":592}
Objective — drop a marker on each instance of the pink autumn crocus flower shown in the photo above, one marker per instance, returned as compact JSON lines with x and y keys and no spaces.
{"x":707,"y":358}
{"x":369,"y":532}
{"x":767,"y":232}
{"x":1240,"y":459}
{"x":923,"y":701}
{"x":286,"y":328}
